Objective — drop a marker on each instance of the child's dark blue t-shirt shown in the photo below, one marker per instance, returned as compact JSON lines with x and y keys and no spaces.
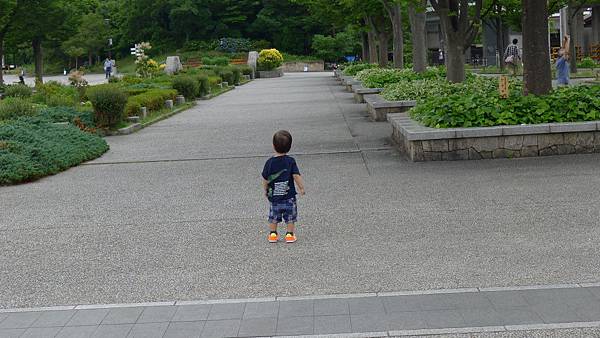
{"x":278,"y":172}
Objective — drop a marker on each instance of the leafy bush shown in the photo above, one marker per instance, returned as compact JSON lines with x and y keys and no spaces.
{"x":18,"y":90}
{"x":227,"y":75}
{"x":109,"y":104}
{"x":186,"y":86}
{"x":55,"y":94}
{"x":234,"y":45}
{"x":481,"y":109}
{"x":32,"y":148}
{"x":237,"y":75}
{"x":379,"y":78}
{"x":203,"y":85}
{"x":354,"y":68}
{"x":215,"y":61}
{"x":334,"y":48}
{"x":12,"y":108}
{"x":153,"y":100}
{"x":587,"y":63}
{"x":67,"y":114}
{"x":129,"y":79}
{"x":246,"y":70}
{"x":269,"y":59}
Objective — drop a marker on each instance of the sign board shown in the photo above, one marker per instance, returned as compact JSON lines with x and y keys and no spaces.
{"x":503,"y":87}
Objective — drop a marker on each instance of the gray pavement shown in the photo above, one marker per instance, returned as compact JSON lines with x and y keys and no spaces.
{"x":175,"y":212}
{"x":497,"y":311}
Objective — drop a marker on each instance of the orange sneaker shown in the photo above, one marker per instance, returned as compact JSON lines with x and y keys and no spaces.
{"x":273,"y":237}
{"x":290,"y":238}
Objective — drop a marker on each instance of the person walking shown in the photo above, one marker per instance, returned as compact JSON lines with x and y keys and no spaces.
{"x":108,"y":65}
{"x":22,"y":76}
{"x":562,"y":64}
{"x":512,"y":56}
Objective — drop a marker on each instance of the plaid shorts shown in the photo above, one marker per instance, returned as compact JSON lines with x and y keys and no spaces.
{"x":283,"y":210}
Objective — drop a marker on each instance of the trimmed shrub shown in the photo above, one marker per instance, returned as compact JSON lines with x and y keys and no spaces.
{"x":31,"y":148}
{"x":237,"y":75}
{"x":203,"y":85}
{"x":227,"y":76}
{"x":215,"y":61}
{"x":109,"y":104}
{"x":19,"y":91}
{"x":186,"y":86}
{"x":12,"y":108}
{"x":55,"y":94}
{"x":246,"y":70}
{"x":269,"y":59}
{"x":153,"y":100}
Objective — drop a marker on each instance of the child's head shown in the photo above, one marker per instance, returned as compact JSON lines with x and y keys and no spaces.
{"x":282,"y":141}
{"x":561,"y":52}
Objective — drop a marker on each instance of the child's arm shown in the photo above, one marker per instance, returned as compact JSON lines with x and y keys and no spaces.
{"x":265,"y":185}
{"x":300,"y":183}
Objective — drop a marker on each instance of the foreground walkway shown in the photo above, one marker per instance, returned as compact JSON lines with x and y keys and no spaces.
{"x":359,"y":315}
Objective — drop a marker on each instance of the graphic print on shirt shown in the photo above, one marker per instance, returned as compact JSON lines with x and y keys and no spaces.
{"x":280,"y":188}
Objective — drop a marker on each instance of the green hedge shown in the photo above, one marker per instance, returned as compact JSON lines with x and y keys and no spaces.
{"x":31,"y":148}
{"x":484,"y":109}
{"x":379,"y":78}
{"x":109,"y":103}
{"x":12,"y":108}
{"x":153,"y":100}
{"x":187,"y":86}
{"x":354,"y":68}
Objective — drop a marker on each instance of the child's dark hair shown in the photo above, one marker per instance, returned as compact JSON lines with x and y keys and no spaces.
{"x":282,"y":141}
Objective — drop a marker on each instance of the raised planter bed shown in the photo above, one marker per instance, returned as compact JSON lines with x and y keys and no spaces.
{"x":422,"y":143}
{"x":269,"y":74}
{"x":379,"y":107}
{"x":360,"y":92}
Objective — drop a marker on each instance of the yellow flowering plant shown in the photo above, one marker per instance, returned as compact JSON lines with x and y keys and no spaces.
{"x":269,"y":59}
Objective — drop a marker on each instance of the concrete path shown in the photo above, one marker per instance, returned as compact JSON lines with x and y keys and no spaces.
{"x":495,"y":310}
{"x":175,"y":212}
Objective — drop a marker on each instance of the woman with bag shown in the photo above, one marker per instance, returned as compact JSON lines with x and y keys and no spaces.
{"x":512,"y":56}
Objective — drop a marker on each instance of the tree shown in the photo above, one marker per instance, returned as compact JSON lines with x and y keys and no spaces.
{"x":536,"y":55}
{"x":461,"y":23}
{"x":7,"y":13}
{"x":417,"y":18}
{"x":394,"y":11}
{"x":333,"y":48}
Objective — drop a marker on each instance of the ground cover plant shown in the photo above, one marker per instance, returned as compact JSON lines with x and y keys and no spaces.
{"x":381,"y":77}
{"x":353,"y":69}
{"x":484,"y":109}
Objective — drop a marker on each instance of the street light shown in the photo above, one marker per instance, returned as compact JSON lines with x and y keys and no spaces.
{"x":110,"y":40}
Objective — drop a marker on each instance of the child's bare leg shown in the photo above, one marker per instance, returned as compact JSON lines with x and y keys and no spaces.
{"x":273,"y":227}
{"x":291,"y":227}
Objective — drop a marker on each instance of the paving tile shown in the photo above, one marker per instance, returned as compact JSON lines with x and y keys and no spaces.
{"x":595,"y":291}
{"x":3,"y":316}
{"x":519,"y":316}
{"x":54,"y":318}
{"x":434,"y":302}
{"x":406,"y":321}
{"x":112,"y":331}
{"x":191,"y":313}
{"x":21,"y":320}
{"x":221,"y":328}
{"x":125,"y":315}
{"x":471,"y":300}
{"x":261,"y":310}
{"x":296,"y":308}
{"x":329,"y":307}
{"x":506,"y":299}
{"x":41,"y":332}
{"x":557,"y":314}
{"x":551,"y":297}
{"x":11,"y":333}
{"x":148,"y":330}
{"x":157,"y":314}
{"x":368,"y":322}
{"x":589,"y":312}
{"x":295,"y":325}
{"x":366,"y":305}
{"x":481,"y":317}
{"x":76,"y":331}
{"x":184,"y":329}
{"x":226,"y":311}
{"x":332,"y":324}
{"x":87,"y":317}
{"x":255,"y":327}
{"x":441,"y":319}
{"x":394,"y":304}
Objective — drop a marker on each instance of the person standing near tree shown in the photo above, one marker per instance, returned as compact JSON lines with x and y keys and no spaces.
{"x":512,"y":56}
{"x":562,"y":64}
{"x":108,"y":64}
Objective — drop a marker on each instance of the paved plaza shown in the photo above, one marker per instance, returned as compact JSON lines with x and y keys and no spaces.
{"x":175,"y":213}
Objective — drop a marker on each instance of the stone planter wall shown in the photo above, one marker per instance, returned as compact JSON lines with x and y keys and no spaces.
{"x":421,"y":143}
{"x":379,"y":108}
{"x":298,"y":67}
{"x":269,"y":74}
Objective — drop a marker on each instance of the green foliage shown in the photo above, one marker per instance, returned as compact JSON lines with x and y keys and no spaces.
{"x":354,"y":68}
{"x":379,"y":78}
{"x":269,"y":59}
{"x":234,"y":45}
{"x":13,"y":108}
{"x":334,"y":48}
{"x":67,"y":114}
{"x":186,"y":86}
{"x":109,"y":104}
{"x":215,"y":61}
{"x":153,"y":100}
{"x":18,"y":91}
{"x":55,"y":94}
{"x":483,"y":109}
{"x":31,"y":148}
{"x":245,"y":69}
{"x":203,"y":85}
{"x":587,"y":63}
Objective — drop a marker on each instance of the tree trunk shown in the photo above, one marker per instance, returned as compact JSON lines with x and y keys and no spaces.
{"x":39,"y":59}
{"x":536,"y":55}
{"x":500,"y":43}
{"x":372,"y":45}
{"x":418,"y":36}
{"x":383,"y":48}
{"x":365,"y":46}
{"x":1,"y":58}
{"x":455,"y":60}
{"x":90,"y":59}
{"x":596,"y":25}
{"x":395,"y":13}
{"x":575,"y":27}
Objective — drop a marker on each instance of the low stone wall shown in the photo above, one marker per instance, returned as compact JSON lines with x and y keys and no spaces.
{"x":421,"y":143}
{"x":379,"y":108}
{"x":360,"y":92}
{"x":297,"y":67}
{"x":269,"y":74}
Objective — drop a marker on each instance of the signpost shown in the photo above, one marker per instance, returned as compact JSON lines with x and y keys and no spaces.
{"x":503,"y":87}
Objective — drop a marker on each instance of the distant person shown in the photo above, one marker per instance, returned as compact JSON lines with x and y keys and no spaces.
{"x":562,"y":64}
{"x":22,"y":76}
{"x":108,"y":65}
{"x":512,"y":56}
{"x":280,"y":177}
